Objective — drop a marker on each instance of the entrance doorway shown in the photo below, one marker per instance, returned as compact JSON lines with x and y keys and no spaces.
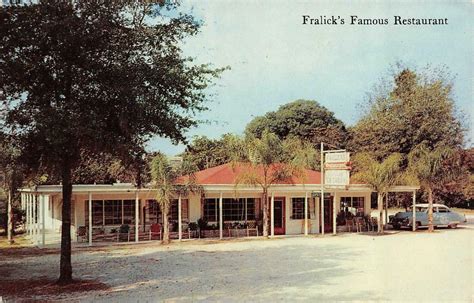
{"x":279,"y":213}
{"x":328,"y":218}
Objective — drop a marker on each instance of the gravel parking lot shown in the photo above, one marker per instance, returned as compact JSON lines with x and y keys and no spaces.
{"x":397,"y":267}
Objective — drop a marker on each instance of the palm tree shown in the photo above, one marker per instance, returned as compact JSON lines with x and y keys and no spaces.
{"x":166,"y":179}
{"x":378,"y":175}
{"x":269,"y":160}
{"x":427,"y":166}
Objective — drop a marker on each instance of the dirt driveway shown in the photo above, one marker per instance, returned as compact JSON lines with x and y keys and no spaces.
{"x":399,"y":267}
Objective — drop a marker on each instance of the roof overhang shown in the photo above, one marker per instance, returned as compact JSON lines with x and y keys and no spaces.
{"x":212,"y":188}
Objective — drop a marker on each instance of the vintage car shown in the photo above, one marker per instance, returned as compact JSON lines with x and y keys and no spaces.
{"x":442,"y":217}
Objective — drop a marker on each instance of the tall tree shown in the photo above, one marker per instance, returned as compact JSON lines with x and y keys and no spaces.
{"x":410,"y":109}
{"x":170,"y":182}
{"x":268,"y":160}
{"x":427,"y":166}
{"x":88,"y":76}
{"x":205,"y":152}
{"x":304,"y":119}
{"x":378,"y":175}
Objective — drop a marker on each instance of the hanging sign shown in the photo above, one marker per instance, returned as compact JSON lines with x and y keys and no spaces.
{"x":337,"y":168}
{"x":341,"y":157}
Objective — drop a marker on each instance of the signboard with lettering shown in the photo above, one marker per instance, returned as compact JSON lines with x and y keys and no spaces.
{"x":336,"y":177}
{"x":339,"y":157}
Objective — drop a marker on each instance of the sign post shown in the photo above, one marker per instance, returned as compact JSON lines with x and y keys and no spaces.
{"x":335,"y":173}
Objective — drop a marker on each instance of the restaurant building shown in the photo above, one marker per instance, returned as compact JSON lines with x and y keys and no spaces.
{"x":99,"y":212}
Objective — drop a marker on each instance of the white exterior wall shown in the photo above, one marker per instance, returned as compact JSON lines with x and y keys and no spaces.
{"x":296,"y":226}
{"x":292,"y":226}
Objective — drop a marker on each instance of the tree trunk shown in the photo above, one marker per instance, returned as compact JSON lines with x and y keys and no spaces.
{"x":265,"y":213}
{"x":380,"y":209}
{"x":65,"y":267}
{"x":166,"y":226}
{"x":386,"y":210}
{"x":430,"y":210}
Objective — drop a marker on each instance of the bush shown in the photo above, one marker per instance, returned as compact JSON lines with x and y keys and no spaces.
{"x":124,"y":228}
{"x":203,"y":224}
{"x":193,"y":226}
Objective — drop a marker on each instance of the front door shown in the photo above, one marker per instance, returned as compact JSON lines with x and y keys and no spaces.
{"x":279,"y":213}
{"x":328,"y":214}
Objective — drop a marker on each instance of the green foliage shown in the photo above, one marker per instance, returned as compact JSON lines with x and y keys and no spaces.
{"x":95,"y":77}
{"x":205,"y":153}
{"x":379,"y":175}
{"x":86,"y":76}
{"x":304,"y":119}
{"x":417,"y":109}
{"x":427,"y":165}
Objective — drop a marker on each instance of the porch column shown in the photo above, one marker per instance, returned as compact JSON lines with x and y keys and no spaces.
{"x":414,"y":211}
{"x":272,"y":215}
{"x":38,"y":219}
{"x":137,"y":216}
{"x":322,"y":212}
{"x":334,"y":213}
{"x":33,"y":201}
{"x":90,"y":219}
{"x":221,"y":221}
{"x":180,"y":231}
{"x":43,"y":220}
{"x":306,"y":213}
{"x":27,"y":219}
{"x":30,"y":217}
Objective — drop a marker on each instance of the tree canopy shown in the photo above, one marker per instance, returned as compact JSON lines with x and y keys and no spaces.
{"x":416,"y":109}
{"x":304,"y":119}
{"x":85,"y":76}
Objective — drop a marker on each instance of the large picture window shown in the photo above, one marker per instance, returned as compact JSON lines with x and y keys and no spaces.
{"x":111,"y":212}
{"x":353,"y":205}
{"x":155,"y":214}
{"x":241,"y":209}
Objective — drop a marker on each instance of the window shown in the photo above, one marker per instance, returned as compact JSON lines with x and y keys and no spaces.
{"x":113,"y":212}
{"x":210,"y":210}
{"x":97,"y":213}
{"x":250,"y":209}
{"x":174,"y":210}
{"x":443,"y":210}
{"x":128,"y":211}
{"x":241,"y":209}
{"x":154,"y":212}
{"x":354,"y":205}
{"x":297,"y":206}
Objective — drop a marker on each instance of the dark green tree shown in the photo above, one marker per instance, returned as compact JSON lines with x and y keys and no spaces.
{"x":85,"y":76}
{"x":204,"y":152}
{"x":304,"y":119}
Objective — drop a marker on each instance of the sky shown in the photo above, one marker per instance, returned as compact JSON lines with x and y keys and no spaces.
{"x":275,"y":59}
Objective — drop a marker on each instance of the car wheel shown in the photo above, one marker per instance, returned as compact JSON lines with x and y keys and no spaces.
{"x":417,"y":225}
{"x":453,"y":226}
{"x":396,"y":226}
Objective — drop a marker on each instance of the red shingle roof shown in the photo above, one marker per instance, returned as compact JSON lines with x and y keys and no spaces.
{"x":227,"y":174}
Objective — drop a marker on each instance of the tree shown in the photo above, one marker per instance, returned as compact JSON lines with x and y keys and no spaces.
{"x":410,"y":109}
{"x":304,"y":119}
{"x":267,"y":161}
{"x":427,"y":166}
{"x":205,"y":153}
{"x":168,"y":182}
{"x":380,"y":176}
{"x":81,"y":76}
{"x":11,"y":177}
